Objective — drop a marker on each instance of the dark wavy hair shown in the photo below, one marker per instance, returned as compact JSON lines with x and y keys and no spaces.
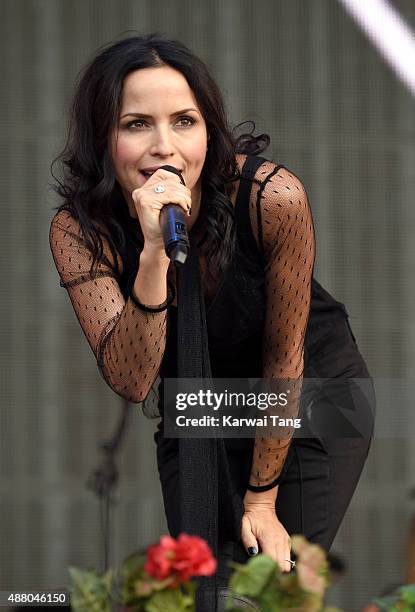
{"x":88,"y":185}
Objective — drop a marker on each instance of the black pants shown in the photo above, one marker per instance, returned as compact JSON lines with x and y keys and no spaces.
{"x":318,"y":483}
{"x":320,"y":472}
{"x":314,"y":494}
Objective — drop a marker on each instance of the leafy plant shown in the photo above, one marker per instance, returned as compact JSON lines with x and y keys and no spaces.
{"x":401,"y":600}
{"x":90,"y":592}
{"x":261,"y":580}
{"x":160,"y":580}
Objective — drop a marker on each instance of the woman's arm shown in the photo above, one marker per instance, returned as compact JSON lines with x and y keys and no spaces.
{"x":289,"y":253}
{"x":150,"y":282}
{"x":286,"y":238}
{"x":127,"y":342}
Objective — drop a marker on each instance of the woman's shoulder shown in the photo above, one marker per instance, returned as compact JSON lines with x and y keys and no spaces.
{"x":66,"y":219}
{"x":65,"y":230}
{"x":66,"y":233}
{"x":271,"y":181}
{"x":278,"y":201}
{"x":267,"y":169}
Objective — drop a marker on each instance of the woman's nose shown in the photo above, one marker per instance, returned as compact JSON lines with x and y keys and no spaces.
{"x":162,"y":143}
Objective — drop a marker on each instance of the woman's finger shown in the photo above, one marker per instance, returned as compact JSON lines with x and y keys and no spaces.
{"x":284,"y":553}
{"x":248,"y":539}
{"x":279,"y":549}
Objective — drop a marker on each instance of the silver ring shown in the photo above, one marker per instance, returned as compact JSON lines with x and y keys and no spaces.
{"x":160,"y":188}
{"x":292,"y":563}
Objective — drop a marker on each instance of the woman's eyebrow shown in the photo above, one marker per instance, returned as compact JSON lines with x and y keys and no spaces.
{"x":185,"y":110}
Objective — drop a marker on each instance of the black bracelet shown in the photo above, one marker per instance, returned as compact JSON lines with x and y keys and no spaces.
{"x":171,"y":294}
{"x":264,"y":487}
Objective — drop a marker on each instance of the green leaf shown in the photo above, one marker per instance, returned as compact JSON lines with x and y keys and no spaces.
{"x":170,"y":601}
{"x":270,"y":599}
{"x":393,"y":602}
{"x":133,"y":566}
{"x":90,"y":591}
{"x":134,"y":582}
{"x":190,"y":587}
{"x":407,"y":592}
{"x":250,"y":579}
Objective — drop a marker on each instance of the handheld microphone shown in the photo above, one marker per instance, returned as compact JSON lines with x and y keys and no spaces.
{"x":173,"y":226}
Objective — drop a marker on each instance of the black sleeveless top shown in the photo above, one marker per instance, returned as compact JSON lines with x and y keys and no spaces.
{"x":235,"y":322}
{"x":240,"y":299}
{"x":235,"y":316}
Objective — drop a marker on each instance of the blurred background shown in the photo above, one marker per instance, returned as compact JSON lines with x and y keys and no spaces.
{"x":338,"y":117}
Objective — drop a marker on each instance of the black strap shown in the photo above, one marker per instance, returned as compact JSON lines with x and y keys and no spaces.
{"x":249,"y":169}
{"x":203,"y":468}
{"x":198,"y":457}
{"x":244,"y":228}
{"x":258,"y":206}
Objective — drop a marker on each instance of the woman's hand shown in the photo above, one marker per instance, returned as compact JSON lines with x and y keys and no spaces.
{"x":148,"y":205}
{"x":262,"y":529}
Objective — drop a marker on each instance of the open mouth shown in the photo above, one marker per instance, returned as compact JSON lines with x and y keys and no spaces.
{"x":146,"y":174}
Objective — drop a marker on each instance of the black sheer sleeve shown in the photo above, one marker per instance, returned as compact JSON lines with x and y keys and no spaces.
{"x":286,"y":234}
{"x":127,"y":342}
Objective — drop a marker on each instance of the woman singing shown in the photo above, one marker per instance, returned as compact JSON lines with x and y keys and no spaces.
{"x":143,"y":103}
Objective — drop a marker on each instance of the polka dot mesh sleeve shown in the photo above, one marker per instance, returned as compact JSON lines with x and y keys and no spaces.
{"x":128,"y":343}
{"x":286,"y":233}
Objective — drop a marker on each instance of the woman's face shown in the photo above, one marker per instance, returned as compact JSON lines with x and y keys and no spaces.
{"x":160,"y":123}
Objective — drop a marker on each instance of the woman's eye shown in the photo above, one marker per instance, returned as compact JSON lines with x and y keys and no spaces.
{"x":184,"y":121}
{"x":189,"y":120}
{"x":134,"y":123}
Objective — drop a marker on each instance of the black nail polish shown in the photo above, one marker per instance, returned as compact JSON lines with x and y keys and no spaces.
{"x":252,"y":550}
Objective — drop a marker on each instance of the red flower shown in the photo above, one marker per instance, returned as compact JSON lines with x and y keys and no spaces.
{"x":193,"y":557}
{"x":181,"y":559}
{"x":160,"y":558}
